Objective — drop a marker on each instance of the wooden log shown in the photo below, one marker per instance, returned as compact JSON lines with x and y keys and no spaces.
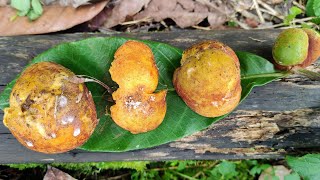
{"x":280,"y":118}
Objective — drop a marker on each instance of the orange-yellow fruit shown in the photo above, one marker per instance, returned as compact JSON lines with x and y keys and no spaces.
{"x":47,"y":112}
{"x":138,"y":109}
{"x":209,"y":79}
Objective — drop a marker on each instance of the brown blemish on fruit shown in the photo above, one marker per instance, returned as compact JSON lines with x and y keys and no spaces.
{"x":138,"y":109}
{"x":209,"y":79}
{"x":43,"y":110}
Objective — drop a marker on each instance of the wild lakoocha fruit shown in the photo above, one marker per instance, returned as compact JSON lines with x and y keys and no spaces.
{"x":209,"y":79}
{"x":296,"y":48}
{"x":48,"y":113}
{"x":138,"y":109}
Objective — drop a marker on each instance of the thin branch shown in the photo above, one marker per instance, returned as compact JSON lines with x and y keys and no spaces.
{"x":258,"y":40}
{"x":118,"y":177}
{"x":147,"y":19}
{"x":92,"y":79}
{"x":310,"y":74}
{"x":202,"y":28}
{"x":283,"y":24}
{"x":256,"y":5}
{"x":299,"y":5}
{"x":269,"y":8}
{"x":184,"y":176}
{"x":276,"y":15}
{"x":248,"y":14}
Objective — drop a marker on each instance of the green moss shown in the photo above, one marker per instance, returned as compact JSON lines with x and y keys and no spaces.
{"x":87,"y":167}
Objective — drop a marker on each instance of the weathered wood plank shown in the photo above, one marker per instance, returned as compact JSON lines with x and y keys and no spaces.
{"x":279,"y":118}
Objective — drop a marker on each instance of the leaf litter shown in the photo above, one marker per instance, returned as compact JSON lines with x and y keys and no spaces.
{"x":150,"y":15}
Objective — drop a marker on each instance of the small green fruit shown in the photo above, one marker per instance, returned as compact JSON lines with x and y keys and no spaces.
{"x":291,"y":47}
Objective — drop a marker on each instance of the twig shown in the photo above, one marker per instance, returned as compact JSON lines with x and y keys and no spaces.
{"x":299,"y":5}
{"x":242,"y":25}
{"x":256,"y":5}
{"x":283,"y":24}
{"x":147,"y":19}
{"x":118,"y":177}
{"x":268,"y":12}
{"x":248,"y":14}
{"x":176,"y":167}
{"x":198,"y":174}
{"x":205,"y":168}
{"x":269,"y":8}
{"x":258,"y":40}
{"x":310,"y":74}
{"x":276,"y":15}
{"x":164,"y":24}
{"x":85,"y":78}
{"x":184,"y":176}
{"x":202,"y":28}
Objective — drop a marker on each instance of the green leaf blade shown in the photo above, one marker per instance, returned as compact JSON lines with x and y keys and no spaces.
{"x":37,"y":7}
{"x":306,"y":166}
{"x":256,"y":71}
{"x":309,"y":8}
{"x":316,"y":7}
{"x":22,"y":6}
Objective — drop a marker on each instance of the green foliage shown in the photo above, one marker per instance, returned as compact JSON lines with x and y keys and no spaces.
{"x":22,"y":6}
{"x":93,"y":57}
{"x":30,"y":8}
{"x":293,"y":12}
{"x":316,"y":20}
{"x":292,"y":176}
{"x":307,"y":166}
{"x":258,"y":168}
{"x":88,"y":167}
{"x":96,"y":167}
{"x":232,"y":24}
{"x":26,"y":166}
{"x":225,"y":170}
{"x":173,"y":170}
{"x":313,"y":8}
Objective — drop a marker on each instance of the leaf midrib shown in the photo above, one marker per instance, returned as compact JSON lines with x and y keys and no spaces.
{"x":263,"y":75}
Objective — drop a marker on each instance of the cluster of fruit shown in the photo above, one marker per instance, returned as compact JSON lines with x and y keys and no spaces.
{"x":50,"y":106}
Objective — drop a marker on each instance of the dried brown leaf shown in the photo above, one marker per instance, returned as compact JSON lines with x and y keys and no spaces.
{"x":187,"y":12}
{"x":273,"y":1}
{"x":56,"y":174}
{"x":280,"y":171}
{"x":4,"y":2}
{"x":54,"y":18}
{"x":124,"y":10}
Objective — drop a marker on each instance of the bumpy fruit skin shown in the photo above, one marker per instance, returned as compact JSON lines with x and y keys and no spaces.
{"x":137,"y":108}
{"x":48,"y":113}
{"x":296,"y":48}
{"x":209,"y":79}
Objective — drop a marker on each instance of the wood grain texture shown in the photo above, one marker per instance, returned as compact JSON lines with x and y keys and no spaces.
{"x":280,"y":118}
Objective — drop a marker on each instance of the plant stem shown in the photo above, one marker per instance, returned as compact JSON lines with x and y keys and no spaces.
{"x":310,"y":74}
{"x":92,"y":79}
{"x":184,"y":176}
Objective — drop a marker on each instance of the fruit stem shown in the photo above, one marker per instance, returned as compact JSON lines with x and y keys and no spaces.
{"x":310,"y":74}
{"x":85,"y":78}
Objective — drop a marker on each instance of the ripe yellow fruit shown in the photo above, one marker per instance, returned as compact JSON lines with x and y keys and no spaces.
{"x":138,"y":109}
{"x":209,"y":79}
{"x":47,"y":112}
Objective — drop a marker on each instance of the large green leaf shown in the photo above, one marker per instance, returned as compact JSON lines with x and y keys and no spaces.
{"x":93,"y":57}
{"x":306,"y":166}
